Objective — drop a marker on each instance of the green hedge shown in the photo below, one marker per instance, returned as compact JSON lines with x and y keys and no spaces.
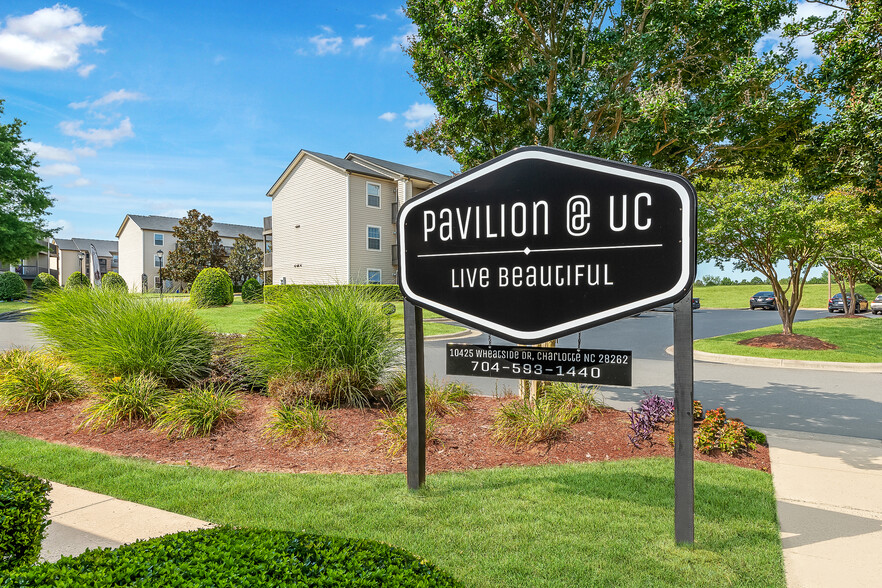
{"x":78,"y":280}
{"x":44,"y":283}
{"x":12,"y":287}
{"x":252,"y":291}
{"x":24,"y":507}
{"x":277,"y":293}
{"x":114,"y":280}
{"x":212,"y":287}
{"x":227,"y":557}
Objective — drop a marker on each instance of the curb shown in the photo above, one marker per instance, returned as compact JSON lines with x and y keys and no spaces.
{"x":830,"y":366}
{"x":462,"y":335}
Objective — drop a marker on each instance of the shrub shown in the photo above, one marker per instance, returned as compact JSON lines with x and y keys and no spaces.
{"x":125,"y":398}
{"x":280,"y":293}
{"x":545,"y":420}
{"x":212,"y":287}
{"x":338,"y":338}
{"x":732,"y":437}
{"x":44,"y":283}
{"x":196,"y":411}
{"x":12,"y":287}
{"x":77,"y":280}
{"x":31,"y":381}
{"x":716,"y":432}
{"x":578,"y":397}
{"x":697,"y":411}
{"x":24,"y":506}
{"x":449,"y":398}
{"x":239,"y":557}
{"x":653,"y":411}
{"x":114,"y":280}
{"x":113,"y":333}
{"x":755,"y":438}
{"x":300,"y":423}
{"x":393,"y":428}
{"x":252,"y":291}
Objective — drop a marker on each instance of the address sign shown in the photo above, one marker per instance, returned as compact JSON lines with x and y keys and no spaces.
{"x":539,"y":242}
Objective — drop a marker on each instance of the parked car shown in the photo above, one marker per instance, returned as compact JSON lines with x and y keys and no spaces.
{"x":835,"y":303}
{"x":876,"y":305}
{"x":696,"y":303}
{"x":763,"y":300}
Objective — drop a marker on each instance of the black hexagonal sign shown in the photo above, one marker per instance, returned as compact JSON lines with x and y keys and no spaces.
{"x":539,"y":242}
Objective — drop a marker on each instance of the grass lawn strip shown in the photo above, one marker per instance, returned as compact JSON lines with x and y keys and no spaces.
{"x":240,"y":317}
{"x":15,"y":305}
{"x":738,"y":296}
{"x":859,"y":341}
{"x":598,"y":524}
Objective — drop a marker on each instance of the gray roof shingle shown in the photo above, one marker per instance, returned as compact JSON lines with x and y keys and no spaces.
{"x":349,"y":165}
{"x":104,"y":247}
{"x":405,"y":170}
{"x":168,"y":223}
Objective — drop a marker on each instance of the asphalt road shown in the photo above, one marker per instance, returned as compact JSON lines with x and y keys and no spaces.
{"x":837,"y":403}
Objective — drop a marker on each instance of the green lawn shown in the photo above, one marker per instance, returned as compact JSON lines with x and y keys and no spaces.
{"x":15,"y":305}
{"x":600,"y":524}
{"x":240,"y":317}
{"x":859,"y":340}
{"x":815,"y":295}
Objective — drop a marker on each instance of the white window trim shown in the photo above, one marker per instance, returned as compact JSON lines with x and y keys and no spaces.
{"x":367,"y":197}
{"x":368,"y":237}
{"x":379,"y":271}
{"x":156,"y":262}
{"x":156,"y":281}
{"x":161,"y":236}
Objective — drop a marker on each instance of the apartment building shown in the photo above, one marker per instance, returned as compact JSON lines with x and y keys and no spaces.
{"x":333,"y":219}
{"x":144,"y":244}
{"x":75,"y":255}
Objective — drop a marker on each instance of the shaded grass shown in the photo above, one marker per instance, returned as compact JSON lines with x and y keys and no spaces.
{"x":815,"y":295}
{"x":600,"y":524}
{"x":859,"y":340}
{"x":15,"y":305}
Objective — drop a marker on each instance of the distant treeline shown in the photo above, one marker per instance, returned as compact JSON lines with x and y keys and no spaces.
{"x":756,"y":281}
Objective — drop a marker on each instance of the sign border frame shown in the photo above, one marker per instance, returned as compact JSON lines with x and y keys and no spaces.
{"x":681,"y":186}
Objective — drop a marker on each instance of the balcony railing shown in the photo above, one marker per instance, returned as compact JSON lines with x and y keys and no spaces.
{"x":267,"y":261}
{"x":29,"y":272}
{"x":267,"y":224}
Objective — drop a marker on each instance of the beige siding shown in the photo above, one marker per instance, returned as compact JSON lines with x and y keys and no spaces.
{"x":68,"y":262}
{"x":131,"y":254}
{"x":362,"y":216}
{"x":314,"y":197}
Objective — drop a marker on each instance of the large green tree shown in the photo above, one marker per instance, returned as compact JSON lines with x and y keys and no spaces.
{"x":672,"y":84}
{"x":197,"y":248}
{"x":845,"y":145}
{"x":23,"y":197}
{"x":757,"y":223}
{"x":246,"y":259}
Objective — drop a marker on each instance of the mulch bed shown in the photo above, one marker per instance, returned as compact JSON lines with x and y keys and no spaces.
{"x":788,"y":342}
{"x":355,"y":447}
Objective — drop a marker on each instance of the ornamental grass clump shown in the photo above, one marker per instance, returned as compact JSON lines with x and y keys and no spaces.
{"x":301,"y":423}
{"x":522,"y":421}
{"x":441,"y":399}
{"x":196,"y":411}
{"x":109,"y":333}
{"x":336,"y":338}
{"x":125,"y":399}
{"x":393,"y":429}
{"x":31,"y":380}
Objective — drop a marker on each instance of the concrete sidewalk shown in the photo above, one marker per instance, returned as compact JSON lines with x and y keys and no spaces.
{"x":829,"y":493}
{"x":84,"y":520}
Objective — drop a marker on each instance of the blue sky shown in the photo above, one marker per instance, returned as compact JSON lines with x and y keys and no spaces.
{"x":159,"y":107}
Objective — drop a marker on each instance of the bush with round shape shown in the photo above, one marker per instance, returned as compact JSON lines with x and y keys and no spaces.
{"x":212,"y":287}
{"x":77,"y":280}
{"x":252,"y":291}
{"x":225,"y":558}
{"x":338,"y":338}
{"x":24,"y":510}
{"x":114,"y":280}
{"x":111,"y":333}
{"x":44,"y":283}
{"x":12,"y":287}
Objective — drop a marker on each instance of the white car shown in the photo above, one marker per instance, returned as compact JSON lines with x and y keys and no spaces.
{"x":876,"y":305}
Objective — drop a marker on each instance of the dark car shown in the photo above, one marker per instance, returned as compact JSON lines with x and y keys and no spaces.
{"x":876,"y":305}
{"x":763,"y":300}
{"x":696,"y":303}
{"x":835,"y":303}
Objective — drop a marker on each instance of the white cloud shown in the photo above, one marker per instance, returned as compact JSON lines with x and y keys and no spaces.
{"x":79,"y":183}
{"x":65,"y":226}
{"x":102,"y":137}
{"x":50,"y":38}
{"x":404,"y":39}
{"x":49,"y":153}
{"x":358,"y":42}
{"x":327,"y":29}
{"x":388,"y":116}
{"x":109,"y":98}
{"x":218,"y":59}
{"x":60,"y":169}
{"x":419,"y":114}
{"x":85,"y":152}
{"x":325,"y":45}
{"x":85,"y":70}
{"x":805,"y":47}
{"x":381,"y":16}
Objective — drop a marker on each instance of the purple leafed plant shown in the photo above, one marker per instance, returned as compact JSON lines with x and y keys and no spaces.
{"x":652,"y":411}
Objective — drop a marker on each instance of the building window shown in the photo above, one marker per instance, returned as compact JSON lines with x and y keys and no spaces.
{"x":373,"y":195}
{"x":115,"y":261}
{"x":158,"y":239}
{"x":373,"y":238}
{"x":156,"y":282}
{"x":157,"y":261}
{"x":374,"y":276}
